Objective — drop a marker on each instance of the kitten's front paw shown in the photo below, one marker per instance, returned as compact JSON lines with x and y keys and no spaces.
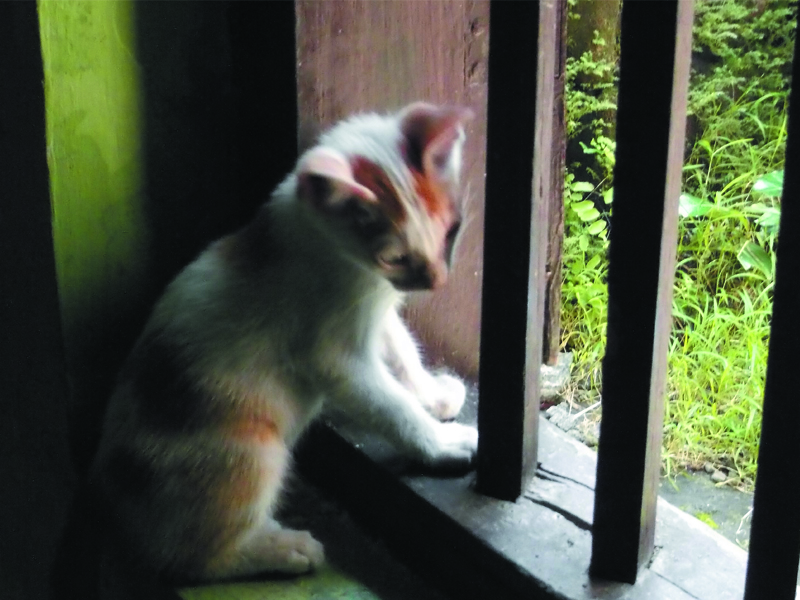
{"x":445,"y":398}
{"x":457,"y":446}
{"x":296,"y":552}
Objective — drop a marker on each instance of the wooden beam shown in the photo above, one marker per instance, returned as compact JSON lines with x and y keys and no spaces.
{"x":775,"y":531}
{"x":654,"y":68}
{"x":551,"y":332}
{"x":521,"y":66}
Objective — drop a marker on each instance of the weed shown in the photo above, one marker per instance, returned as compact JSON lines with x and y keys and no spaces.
{"x":722,"y":298}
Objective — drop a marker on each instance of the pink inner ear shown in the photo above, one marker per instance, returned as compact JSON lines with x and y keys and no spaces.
{"x":431,"y":131}
{"x":334,"y":167}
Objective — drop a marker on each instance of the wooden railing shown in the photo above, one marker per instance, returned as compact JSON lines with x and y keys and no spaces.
{"x":654,"y":67}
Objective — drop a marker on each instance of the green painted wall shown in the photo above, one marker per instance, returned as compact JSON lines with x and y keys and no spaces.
{"x":93,"y":121}
{"x":168,"y":123}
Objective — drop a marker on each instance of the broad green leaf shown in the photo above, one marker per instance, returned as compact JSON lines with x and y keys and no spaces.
{"x":596,"y":227}
{"x":752,"y":255}
{"x":583,"y":242}
{"x":770,"y":219}
{"x":692,"y":206}
{"x":608,"y":195}
{"x":580,"y":207}
{"x":593,"y":262}
{"x":770,"y":184}
{"x":589,"y":215}
{"x":757,"y":208}
{"x":582,"y":186}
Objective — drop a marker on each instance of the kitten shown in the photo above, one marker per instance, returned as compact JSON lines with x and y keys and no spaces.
{"x":295,"y":310}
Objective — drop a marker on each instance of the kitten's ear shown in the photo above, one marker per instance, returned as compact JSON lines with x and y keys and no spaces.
{"x":325,"y":179}
{"x":431,"y":133}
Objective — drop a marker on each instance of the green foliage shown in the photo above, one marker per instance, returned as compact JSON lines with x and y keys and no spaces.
{"x":742,"y":45}
{"x":729,"y":216}
{"x":584,"y":292}
{"x":592,"y":98}
{"x":722,"y":299}
{"x":591,"y":109}
{"x":722,"y":302}
{"x":756,"y":222}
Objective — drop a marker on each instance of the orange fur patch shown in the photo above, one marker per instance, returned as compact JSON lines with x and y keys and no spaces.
{"x":372,"y":177}
{"x":437,"y":202}
{"x":257,"y":428}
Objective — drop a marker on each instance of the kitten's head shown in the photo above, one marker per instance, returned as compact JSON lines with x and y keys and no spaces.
{"x":387,"y":188}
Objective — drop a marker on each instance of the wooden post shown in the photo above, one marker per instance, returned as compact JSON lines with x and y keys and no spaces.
{"x":518,"y":162}
{"x":775,"y":531}
{"x":654,"y":68}
{"x":551,"y":332}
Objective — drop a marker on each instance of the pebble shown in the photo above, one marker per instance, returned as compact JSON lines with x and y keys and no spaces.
{"x":709,"y":468}
{"x":718,"y":476}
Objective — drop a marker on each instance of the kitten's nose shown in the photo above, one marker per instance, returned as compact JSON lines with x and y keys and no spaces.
{"x":432,"y":276}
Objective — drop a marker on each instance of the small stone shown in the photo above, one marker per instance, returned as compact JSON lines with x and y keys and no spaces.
{"x":553,"y":379}
{"x":718,"y":476}
{"x":709,"y":468}
{"x":559,"y":417}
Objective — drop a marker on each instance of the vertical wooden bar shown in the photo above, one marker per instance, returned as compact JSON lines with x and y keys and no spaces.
{"x":775,"y":531}
{"x":521,"y":63}
{"x":654,"y":71}
{"x":555,"y":229}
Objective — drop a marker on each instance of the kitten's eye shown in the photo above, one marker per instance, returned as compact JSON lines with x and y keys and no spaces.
{"x":359,"y":213}
{"x":395,"y":261}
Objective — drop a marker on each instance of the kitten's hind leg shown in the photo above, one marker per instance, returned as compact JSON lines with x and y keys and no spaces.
{"x":269,"y":548}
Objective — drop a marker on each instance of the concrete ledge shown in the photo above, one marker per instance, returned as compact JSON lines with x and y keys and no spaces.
{"x":536,"y":547}
{"x":693,"y":559}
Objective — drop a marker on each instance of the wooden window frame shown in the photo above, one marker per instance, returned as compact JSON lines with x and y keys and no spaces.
{"x":433,"y":520}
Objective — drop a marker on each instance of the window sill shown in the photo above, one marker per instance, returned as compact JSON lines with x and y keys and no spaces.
{"x":538,"y":546}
